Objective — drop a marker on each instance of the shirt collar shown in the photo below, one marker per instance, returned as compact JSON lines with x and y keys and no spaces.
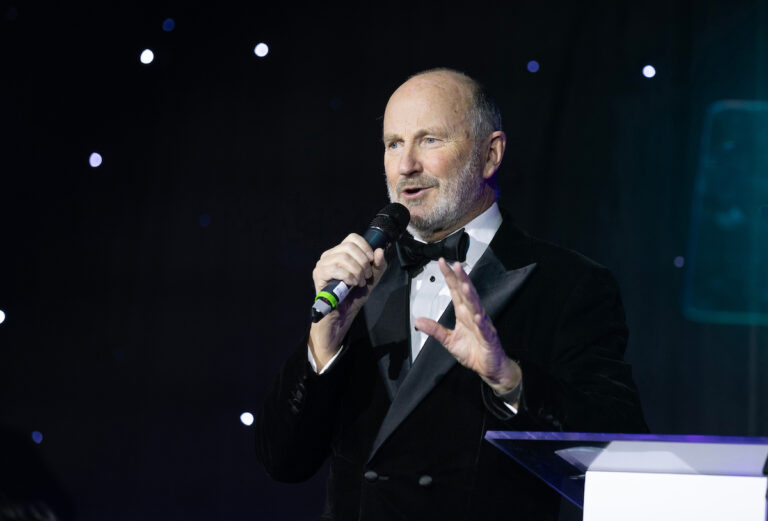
{"x":481,"y":230}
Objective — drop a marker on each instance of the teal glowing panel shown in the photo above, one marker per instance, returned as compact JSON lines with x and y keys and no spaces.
{"x":726,"y":276}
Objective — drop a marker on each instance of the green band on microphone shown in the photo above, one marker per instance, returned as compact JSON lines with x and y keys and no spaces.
{"x":330,"y":297}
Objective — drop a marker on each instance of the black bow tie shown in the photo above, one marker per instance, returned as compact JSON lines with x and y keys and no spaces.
{"x":414,"y":255}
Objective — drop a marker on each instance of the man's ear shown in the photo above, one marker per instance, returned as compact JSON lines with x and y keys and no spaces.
{"x":496,"y":146}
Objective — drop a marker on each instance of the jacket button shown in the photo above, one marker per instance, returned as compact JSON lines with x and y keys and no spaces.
{"x":371,"y":475}
{"x":425,"y":480}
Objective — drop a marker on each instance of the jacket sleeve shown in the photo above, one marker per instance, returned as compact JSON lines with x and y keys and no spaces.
{"x":294,"y":427}
{"x":584,"y":385}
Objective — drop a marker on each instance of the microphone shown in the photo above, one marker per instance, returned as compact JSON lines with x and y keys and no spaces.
{"x":387,"y":226}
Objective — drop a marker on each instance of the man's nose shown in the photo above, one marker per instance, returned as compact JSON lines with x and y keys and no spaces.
{"x":409,"y":161}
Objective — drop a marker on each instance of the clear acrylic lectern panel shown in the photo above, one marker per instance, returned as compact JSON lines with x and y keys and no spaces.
{"x":647,"y":476}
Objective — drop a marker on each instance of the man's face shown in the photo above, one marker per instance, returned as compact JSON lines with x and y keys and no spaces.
{"x":429,"y":158}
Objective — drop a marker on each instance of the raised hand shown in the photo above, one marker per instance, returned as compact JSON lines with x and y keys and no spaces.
{"x":357,"y":264}
{"x":473,"y":341}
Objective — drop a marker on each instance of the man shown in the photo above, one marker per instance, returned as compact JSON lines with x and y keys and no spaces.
{"x":530,"y":337}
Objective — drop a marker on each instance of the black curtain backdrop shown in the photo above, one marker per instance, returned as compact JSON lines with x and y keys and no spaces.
{"x":150,"y":301}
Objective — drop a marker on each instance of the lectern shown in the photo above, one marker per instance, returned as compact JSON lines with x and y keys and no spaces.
{"x":648,"y":477}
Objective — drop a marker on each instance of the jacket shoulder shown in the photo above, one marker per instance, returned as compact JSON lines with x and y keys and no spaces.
{"x":516,"y":248}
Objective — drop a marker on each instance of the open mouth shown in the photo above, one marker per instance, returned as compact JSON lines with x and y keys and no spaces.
{"x":414,"y":191}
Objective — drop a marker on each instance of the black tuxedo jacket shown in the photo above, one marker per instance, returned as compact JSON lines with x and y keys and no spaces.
{"x":409,"y":443}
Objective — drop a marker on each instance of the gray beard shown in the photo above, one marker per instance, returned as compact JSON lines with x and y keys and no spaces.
{"x":456,"y":198}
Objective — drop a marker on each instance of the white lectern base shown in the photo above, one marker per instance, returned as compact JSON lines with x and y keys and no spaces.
{"x":628,"y":496}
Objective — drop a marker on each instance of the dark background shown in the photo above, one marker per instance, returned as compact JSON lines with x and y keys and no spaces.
{"x":151,"y":300}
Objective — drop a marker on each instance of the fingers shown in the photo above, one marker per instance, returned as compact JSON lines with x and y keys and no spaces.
{"x":466,"y":302}
{"x":340,"y":266}
{"x":433,"y":329}
{"x":451,"y":281}
{"x":462,"y":290}
{"x":349,"y":261}
{"x":355,"y":246}
{"x":361,"y":243}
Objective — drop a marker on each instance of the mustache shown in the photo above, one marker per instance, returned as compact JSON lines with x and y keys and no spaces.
{"x":416,"y":182}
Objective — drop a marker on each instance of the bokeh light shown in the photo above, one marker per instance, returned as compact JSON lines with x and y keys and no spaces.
{"x":533,"y":66}
{"x":679,"y":261}
{"x":147,"y":56}
{"x":246,"y":418}
{"x":204,"y":220}
{"x":261,"y":49}
{"x":168,"y":25}
{"x":95,"y":160}
{"x":2,"y":316}
{"x":37,"y":437}
{"x":649,"y":71}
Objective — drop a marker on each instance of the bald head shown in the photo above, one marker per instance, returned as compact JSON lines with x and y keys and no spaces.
{"x":483,"y":113}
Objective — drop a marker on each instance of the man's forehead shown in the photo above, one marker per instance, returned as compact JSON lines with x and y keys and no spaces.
{"x":438,"y":87}
{"x":432,"y":99}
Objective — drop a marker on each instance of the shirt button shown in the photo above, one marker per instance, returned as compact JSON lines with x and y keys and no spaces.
{"x":371,"y":475}
{"x":425,"y":480}
{"x":432,"y":278}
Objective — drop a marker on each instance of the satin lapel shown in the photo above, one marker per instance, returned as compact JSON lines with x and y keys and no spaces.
{"x":495,"y":286}
{"x":386,"y":317}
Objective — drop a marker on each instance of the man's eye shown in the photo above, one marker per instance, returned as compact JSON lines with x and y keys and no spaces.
{"x":430,"y":140}
{"x":393,"y":145}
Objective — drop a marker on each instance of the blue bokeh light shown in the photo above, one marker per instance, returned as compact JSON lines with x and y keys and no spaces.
{"x":204,"y":220}
{"x":679,"y":261}
{"x":169,"y":25}
{"x":37,"y":437}
{"x":533,"y":66}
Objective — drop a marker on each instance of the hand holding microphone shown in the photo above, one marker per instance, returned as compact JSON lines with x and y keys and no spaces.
{"x":345,"y":275}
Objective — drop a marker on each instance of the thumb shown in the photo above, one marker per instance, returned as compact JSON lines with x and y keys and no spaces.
{"x":379,"y":264}
{"x":433,"y":329}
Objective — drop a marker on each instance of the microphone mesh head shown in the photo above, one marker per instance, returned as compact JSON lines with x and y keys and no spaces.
{"x":392,"y":220}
